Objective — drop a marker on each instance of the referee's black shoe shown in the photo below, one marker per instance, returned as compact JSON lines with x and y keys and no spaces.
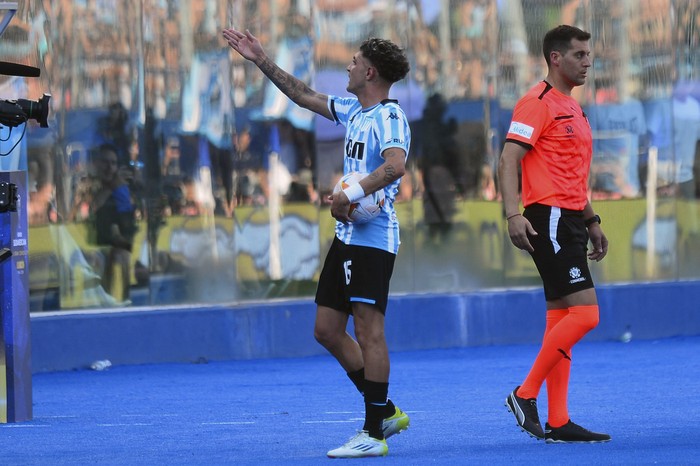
{"x":572,"y":433}
{"x":525,"y":412}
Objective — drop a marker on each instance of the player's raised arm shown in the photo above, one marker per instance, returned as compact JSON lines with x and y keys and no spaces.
{"x":250,"y":48}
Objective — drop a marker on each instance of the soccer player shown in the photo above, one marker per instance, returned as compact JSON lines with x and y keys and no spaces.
{"x":355,"y":276}
{"x":550,"y":139}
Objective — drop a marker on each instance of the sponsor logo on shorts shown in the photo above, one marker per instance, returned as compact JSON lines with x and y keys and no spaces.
{"x":575,"y":274}
{"x":521,"y":129}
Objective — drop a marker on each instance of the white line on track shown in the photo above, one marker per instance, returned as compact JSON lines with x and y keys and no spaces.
{"x":126,"y":425}
{"x":229,"y":423}
{"x":331,"y":422}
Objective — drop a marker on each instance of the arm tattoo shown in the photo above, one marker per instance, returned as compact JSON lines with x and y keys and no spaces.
{"x":288,"y":84}
{"x":389,"y":173}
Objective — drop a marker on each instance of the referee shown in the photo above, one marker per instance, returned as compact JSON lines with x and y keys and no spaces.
{"x":550,"y":139}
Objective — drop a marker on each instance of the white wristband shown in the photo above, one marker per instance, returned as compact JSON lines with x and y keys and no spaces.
{"x":354,"y":192}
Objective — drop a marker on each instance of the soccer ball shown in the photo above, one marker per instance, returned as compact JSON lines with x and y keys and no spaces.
{"x":366,"y":208}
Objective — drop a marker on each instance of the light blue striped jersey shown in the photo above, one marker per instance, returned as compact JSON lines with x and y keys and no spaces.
{"x":368,"y":133}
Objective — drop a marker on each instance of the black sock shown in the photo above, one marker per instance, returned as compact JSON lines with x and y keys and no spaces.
{"x":375,"y":407}
{"x":358,"y":378}
{"x":390,"y":409}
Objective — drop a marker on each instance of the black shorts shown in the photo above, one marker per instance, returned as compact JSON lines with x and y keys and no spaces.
{"x":560,"y":249}
{"x":355,"y":274}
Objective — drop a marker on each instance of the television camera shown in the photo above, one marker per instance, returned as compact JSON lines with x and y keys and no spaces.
{"x":15,"y":112}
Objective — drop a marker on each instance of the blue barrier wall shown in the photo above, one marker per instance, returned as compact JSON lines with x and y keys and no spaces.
{"x":279,"y":329}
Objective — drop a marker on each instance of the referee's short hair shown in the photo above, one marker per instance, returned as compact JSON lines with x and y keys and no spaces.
{"x":559,"y":39}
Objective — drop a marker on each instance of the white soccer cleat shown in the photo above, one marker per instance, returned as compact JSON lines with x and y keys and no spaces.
{"x":360,"y":446}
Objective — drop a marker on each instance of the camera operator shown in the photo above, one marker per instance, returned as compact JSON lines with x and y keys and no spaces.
{"x":113,"y":218}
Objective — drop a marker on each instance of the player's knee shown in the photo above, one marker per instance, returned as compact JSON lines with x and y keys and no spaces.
{"x":320,"y":335}
{"x":369,"y":338}
{"x":325,"y":336}
{"x":586,"y":316}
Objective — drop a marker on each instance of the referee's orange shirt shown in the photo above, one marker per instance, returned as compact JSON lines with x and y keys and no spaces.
{"x":557,"y":133}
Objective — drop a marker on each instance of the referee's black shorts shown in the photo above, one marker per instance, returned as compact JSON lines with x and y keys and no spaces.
{"x":355,"y":274}
{"x":560,"y":249}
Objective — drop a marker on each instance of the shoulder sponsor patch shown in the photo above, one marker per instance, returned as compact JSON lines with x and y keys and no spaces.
{"x":521,"y":129}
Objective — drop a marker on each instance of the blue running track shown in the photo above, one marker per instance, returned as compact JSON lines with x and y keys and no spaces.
{"x":291,"y":411}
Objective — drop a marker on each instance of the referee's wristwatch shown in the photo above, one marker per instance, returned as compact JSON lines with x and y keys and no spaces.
{"x":592,"y":220}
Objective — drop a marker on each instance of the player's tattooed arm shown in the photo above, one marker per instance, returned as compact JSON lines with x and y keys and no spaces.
{"x":286,"y":83}
{"x":249,"y":47}
{"x":393,"y":168}
{"x":389,"y":173}
{"x":294,"y":88}
{"x":394,"y":165}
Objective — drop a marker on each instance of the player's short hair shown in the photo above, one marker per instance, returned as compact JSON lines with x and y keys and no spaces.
{"x":560,"y":37}
{"x":388,"y":58}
